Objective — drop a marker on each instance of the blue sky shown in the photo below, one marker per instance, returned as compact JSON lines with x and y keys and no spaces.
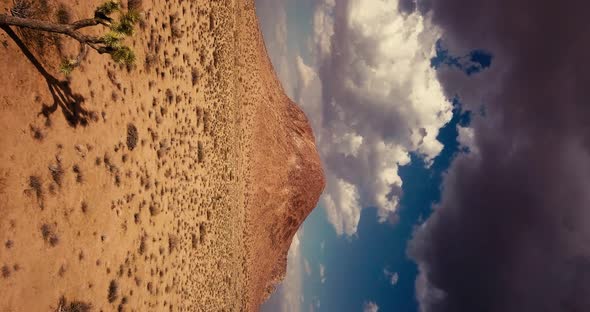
{"x":355,"y":266}
{"x":380,"y":82}
{"x":331,"y":268}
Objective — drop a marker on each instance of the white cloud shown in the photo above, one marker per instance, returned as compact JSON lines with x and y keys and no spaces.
{"x":372,"y":99}
{"x":370,"y":307}
{"x":466,"y":139}
{"x":370,"y":94}
{"x":393,"y":277}
{"x":322,"y":273}
{"x":324,"y":26}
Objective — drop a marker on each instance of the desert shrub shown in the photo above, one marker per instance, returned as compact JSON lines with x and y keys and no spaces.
{"x":195,"y":76}
{"x":84,"y":207}
{"x":37,"y":188}
{"x":175,"y":29}
{"x":132,"y":136}
{"x":78,"y":172}
{"x":37,"y":134}
{"x":74,"y":306}
{"x":172,"y":242}
{"x":22,"y":9}
{"x":200,"y":152}
{"x":5,"y":271}
{"x":63,"y":14}
{"x":57,"y":173}
{"x":113,"y":291}
{"x":136,"y":5}
{"x":49,"y":235}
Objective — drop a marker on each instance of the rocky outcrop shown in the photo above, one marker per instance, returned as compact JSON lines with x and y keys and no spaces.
{"x":286,"y":176}
{"x":287,"y":180}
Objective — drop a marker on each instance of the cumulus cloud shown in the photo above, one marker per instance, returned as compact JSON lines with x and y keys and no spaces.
{"x":370,"y":306}
{"x":370,"y":93}
{"x":511,"y":231}
{"x":322,"y":273}
{"x":393,"y":277}
{"x":373,"y":99}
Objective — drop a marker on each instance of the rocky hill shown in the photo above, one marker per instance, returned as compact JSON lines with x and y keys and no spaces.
{"x":175,"y":184}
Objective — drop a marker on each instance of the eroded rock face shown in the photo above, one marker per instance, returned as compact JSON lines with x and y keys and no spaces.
{"x":286,"y":177}
{"x":288,"y":180}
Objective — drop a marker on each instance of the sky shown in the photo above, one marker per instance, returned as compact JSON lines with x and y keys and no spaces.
{"x":456,"y":143}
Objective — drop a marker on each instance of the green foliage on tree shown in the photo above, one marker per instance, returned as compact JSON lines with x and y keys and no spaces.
{"x":120,"y":24}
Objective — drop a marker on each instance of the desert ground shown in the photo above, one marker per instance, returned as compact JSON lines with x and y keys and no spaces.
{"x":175,"y":184}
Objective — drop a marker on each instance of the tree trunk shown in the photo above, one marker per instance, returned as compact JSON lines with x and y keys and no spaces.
{"x":66,"y":29}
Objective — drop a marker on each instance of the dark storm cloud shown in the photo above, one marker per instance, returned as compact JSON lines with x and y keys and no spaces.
{"x":511,"y":232}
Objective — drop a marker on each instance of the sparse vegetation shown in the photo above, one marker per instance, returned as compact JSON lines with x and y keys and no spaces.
{"x":200,"y":152}
{"x":172,"y":243}
{"x":37,"y":188}
{"x":195,"y":76}
{"x":63,"y":14}
{"x":110,"y":42}
{"x":5,"y":271}
{"x":74,"y":306}
{"x":57,"y":172}
{"x":37,"y":134}
{"x":136,"y":5}
{"x":49,"y":235}
{"x":113,"y":291}
{"x":78,"y":172}
{"x":132,"y":136}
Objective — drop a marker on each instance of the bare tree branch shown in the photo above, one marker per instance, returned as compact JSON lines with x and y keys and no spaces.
{"x":66,"y":29}
{"x":110,"y":42}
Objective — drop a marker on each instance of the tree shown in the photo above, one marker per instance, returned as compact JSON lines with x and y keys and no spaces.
{"x":110,"y":42}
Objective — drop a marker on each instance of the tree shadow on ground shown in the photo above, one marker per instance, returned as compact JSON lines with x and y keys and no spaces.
{"x":63,"y":97}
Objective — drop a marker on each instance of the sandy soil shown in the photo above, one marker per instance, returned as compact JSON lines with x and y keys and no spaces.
{"x":138,"y":188}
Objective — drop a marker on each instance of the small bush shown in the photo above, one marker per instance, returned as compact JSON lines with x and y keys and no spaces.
{"x":112,"y":293}
{"x":200,"y":152}
{"x":154,"y":210}
{"x":195,"y":76}
{"x":5,"y":271}
{"x":84,"y":207}
{"x":78,"y":172}
{"x":135,"y":5}
{"x":37,"y":134}
{"x":57,"y":173}
{"x":63,"y":14}
{"x":142,"y":245}
{"x":22,"y":9}
{"x":37,"y":189}
{"x":74,"y":306}
{"x":172,"y":243}
{"x":132,"y":136}
{"x":49,"y":235}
